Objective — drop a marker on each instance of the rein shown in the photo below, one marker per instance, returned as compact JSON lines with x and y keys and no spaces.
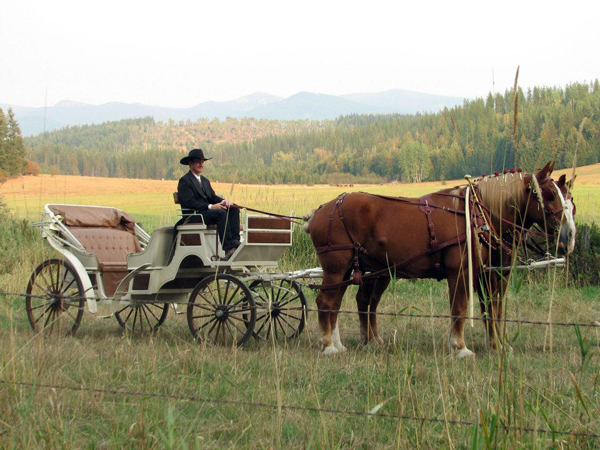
{"x":281,"y":216}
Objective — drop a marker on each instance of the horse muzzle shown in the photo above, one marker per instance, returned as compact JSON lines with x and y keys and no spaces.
{"x":566,"y":242}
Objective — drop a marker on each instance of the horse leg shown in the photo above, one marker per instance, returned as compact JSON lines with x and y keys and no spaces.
{"x":367,"y":299}
{"x":490,"y":296}
{"x":458,"y":306}
{"x":328,"y":303}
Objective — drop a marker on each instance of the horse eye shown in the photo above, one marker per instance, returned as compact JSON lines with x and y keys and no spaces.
{"x":548,"y":195}
{"x":574,"y":209}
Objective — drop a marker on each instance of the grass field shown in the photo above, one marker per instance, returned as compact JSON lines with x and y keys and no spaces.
{"x":152,"y":203}
{"x":166,"y":391}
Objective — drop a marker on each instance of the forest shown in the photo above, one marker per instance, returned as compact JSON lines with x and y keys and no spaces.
{"x":481,"y":136}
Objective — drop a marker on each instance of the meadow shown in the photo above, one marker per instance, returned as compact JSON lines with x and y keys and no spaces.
{"x":166,"y":391}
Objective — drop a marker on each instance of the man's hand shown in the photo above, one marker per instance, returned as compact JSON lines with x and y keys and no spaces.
{"x":223,"y":205}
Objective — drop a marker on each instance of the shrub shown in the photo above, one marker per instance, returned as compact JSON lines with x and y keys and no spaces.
{"x":584,"y":262}
{"x":31,"y":168}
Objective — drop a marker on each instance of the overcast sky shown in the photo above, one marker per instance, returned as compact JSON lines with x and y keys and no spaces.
{"x":179,"y":54}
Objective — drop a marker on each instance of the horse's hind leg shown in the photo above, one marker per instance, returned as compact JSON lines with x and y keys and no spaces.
{"x":367,"y":299}
{"x":458,"y":306}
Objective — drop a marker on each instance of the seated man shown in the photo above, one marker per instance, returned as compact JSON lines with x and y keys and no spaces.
{"x":196,"y":195}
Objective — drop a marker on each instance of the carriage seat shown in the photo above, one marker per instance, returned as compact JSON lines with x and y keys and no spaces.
{"x":107,"y":233}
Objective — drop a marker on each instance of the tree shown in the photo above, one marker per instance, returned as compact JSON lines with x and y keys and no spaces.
{"x":14,"y":150}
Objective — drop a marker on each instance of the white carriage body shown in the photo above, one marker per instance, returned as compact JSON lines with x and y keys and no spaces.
{"x":118,"y":261}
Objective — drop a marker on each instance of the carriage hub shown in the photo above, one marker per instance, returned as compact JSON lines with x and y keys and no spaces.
{"x":275,"y":310}
{"x":221,"y":313}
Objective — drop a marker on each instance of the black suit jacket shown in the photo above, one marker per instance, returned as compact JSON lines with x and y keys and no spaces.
{"x":192,"y":196}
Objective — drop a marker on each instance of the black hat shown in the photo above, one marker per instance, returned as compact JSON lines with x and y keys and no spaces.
{"x":194,"y":154}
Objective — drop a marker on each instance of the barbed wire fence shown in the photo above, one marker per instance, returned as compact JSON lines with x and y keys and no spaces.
{"x":289,"y":407}
{"x":591,"y":324}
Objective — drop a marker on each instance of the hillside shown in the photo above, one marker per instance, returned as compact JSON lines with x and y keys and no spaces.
{"x":259,"y":105}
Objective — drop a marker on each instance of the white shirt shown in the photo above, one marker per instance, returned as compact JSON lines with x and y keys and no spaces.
{"x":199,"y":178}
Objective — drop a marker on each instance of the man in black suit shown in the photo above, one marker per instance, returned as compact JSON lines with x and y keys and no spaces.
{"x":196,"y":195}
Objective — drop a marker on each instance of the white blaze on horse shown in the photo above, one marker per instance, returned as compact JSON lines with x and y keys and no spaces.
{"x":425,"y":237}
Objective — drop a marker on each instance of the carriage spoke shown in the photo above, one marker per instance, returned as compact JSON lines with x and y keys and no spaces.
{"x":70,"y":314}
{"x":236,"y":327}
{"x":52,"y":314}
{"x":261,"y":327}
{"x":214,"y":319}
{"x":152,"y":312}
{"x":239,"y":319}
{"x":44,"y":313}
{"x":232,"y":296}
{"x":48,"y":317}
{"x":202,"y":316}
{"x":43,"y":277}
{"x":198,"y":305}
{"x":212,"y":294}
{"x":43,"y":290}
{"x":229,"y":331}
{"x":201,"y":294}
{"x":38,"y":306}
{"x":216,"y":335}
{"x":68,"y":286}
{"x":284,"y":320}
{"x":290,"y":316}
{"x":281,"y":305}
{"x":144,"y":308}
{"x":64,"y":278}
{"x":220,"y":302}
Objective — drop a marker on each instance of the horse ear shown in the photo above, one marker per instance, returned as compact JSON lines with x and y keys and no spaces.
{"x":571,"y":182}
{"x":562,"y":180}
{"x":551,"y":168}
{"x":544,"y":171}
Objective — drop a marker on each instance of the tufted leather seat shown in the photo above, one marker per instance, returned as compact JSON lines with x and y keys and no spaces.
{"x":107,"y":233}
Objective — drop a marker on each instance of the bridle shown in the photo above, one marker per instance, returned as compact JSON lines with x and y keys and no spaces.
{"x":538,"y":189}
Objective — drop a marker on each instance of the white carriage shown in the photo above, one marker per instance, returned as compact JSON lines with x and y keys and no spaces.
{"x":108,"y":258}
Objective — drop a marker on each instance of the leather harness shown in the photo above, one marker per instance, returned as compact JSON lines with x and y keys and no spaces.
{"x":480,"y":222}
{"x":426,"y":205}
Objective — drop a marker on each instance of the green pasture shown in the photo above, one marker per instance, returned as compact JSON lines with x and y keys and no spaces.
{"x":167,"y":391}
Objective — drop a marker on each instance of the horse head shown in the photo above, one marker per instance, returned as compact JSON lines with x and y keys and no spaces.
{"x":550,"y":206}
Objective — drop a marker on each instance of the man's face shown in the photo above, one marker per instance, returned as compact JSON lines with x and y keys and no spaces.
{"x":196,"y":166}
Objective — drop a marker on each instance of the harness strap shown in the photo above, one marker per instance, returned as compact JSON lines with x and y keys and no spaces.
{"x":433,"y":241}
{"x":377,"y":274}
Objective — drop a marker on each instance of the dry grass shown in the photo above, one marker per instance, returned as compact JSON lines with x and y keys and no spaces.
{"x":26,"y":196}
{"x":411,"y":374}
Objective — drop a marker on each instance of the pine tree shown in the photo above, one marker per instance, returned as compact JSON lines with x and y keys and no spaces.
{"x":3,"y":141}
{"x":15,"y":150}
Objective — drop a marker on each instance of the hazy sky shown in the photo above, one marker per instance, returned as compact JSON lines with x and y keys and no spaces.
{"x":176,"y":53}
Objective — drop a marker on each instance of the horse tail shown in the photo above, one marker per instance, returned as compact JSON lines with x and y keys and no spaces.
{"x":307,"y":218}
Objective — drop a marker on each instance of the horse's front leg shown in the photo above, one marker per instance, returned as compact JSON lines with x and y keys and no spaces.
{"x":328,"y":302}
{"x":458,"y":306}
{"x":491,"y":294}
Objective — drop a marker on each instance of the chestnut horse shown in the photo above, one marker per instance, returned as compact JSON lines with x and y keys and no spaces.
{"x":426,"y":238}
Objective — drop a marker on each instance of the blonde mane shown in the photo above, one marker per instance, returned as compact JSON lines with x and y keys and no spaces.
{"x":503,"y":195}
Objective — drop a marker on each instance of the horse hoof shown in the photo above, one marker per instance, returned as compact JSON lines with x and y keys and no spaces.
{"x":341,"y":348}
{"x":331,"y":350}
{"x":465,"y":353}
{"x":375,"y":342}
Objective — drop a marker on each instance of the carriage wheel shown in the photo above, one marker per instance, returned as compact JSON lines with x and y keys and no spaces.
{"x":221,"y":311}
{"x":55,"y":298}
{"x":281,"y":308}
{"x":142,"y":317}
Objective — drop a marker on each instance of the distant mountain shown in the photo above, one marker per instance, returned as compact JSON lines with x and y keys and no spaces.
{"x":304,"y":105}
{"x":406,"y":102}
